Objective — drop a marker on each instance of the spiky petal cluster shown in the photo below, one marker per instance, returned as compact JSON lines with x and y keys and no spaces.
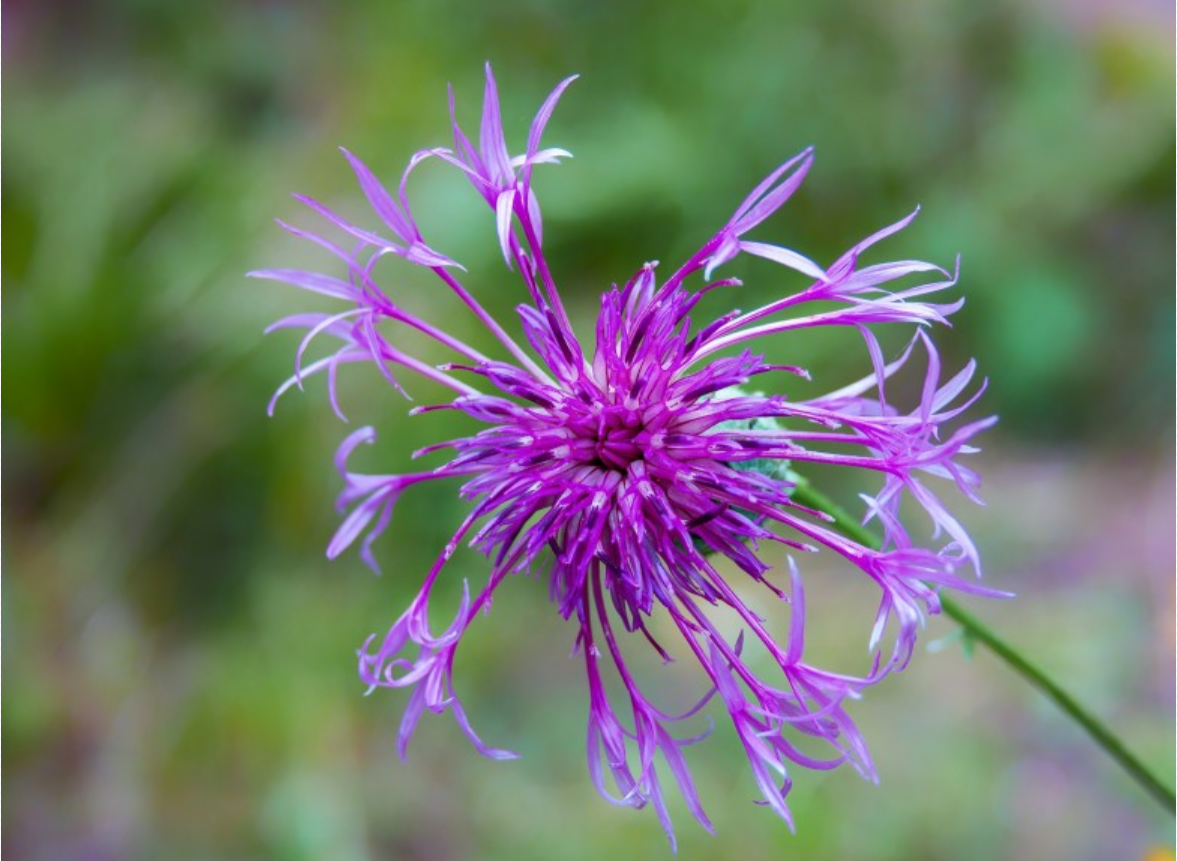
{"x":629,"y":464}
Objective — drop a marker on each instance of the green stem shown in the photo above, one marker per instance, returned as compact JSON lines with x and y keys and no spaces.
{"x":977,"y":631}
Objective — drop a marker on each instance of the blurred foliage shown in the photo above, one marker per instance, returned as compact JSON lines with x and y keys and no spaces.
{"x":178,"y":653}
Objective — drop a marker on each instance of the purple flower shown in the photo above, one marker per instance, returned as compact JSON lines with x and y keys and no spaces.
{"x":628,"y":465}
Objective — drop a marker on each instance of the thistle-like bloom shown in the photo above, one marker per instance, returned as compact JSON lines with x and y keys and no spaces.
{"x":629,"y":464}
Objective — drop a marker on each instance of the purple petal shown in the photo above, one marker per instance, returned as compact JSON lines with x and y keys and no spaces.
{"x":381,"y":201}
{"x":491,"y":141}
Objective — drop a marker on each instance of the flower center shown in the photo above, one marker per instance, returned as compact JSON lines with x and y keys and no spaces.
{"x":616,"y":438}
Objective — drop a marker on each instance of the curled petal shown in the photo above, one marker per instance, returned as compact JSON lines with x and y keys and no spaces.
{"x":504,"y":208}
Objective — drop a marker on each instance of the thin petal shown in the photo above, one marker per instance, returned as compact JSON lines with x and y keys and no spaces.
{"x":491,"y":141}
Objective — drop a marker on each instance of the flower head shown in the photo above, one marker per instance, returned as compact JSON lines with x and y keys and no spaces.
{"x":628,"y":464}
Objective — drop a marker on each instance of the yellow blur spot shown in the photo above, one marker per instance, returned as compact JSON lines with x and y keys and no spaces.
{"x":1160,"y":854}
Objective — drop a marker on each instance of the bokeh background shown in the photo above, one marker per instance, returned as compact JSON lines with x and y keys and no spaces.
{"x":178,"y":652}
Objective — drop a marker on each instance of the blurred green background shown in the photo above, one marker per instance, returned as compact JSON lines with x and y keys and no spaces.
{"x":179,"y":654}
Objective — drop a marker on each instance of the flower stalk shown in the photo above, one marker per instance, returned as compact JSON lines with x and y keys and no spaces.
{"x":977,"y":631}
